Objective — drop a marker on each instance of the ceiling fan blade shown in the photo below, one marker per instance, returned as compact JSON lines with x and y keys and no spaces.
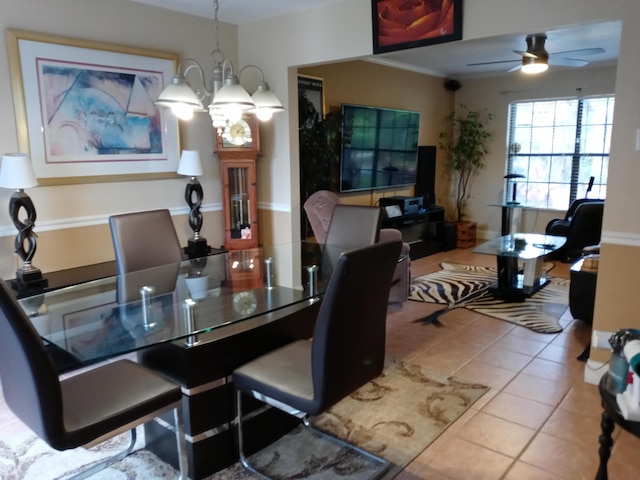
{"x":525,"y":53}
{"x":580,"y":52}
{"x":492,"y":63}
{"x":515,"y":69}
{"x":567,"y":62}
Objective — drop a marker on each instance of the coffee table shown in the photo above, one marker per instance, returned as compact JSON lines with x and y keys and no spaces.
{"x":529,"y":249}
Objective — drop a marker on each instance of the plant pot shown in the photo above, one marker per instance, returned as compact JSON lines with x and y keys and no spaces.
{"x":466,"y":234}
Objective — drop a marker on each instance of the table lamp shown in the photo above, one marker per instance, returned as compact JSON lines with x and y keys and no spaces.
{"x":16,"y":172}
{"x":512,"y":179}
{"x":191,"y":166}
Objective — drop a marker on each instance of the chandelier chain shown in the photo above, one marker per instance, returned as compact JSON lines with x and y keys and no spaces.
{"x":215,"y":20}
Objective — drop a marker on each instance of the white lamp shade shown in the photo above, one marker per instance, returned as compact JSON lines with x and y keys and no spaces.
{"x":179,"y":93}
{"x":232,"y":96}
{"x":17,"y":172}
{"x":190,"y":164}
{"x":266,"y":102}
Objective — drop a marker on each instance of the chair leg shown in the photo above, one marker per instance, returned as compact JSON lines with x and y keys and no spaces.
{"x":101,"y":465}
{"x":243,"y":459}
{"x":384,"y":464}
{"x":182,"y":448}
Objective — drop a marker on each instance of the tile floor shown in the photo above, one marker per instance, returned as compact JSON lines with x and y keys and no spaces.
{"x":539,"y":421}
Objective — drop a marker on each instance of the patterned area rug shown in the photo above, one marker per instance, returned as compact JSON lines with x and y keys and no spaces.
{"x":458,"y":285}
{"x":395,"y":416}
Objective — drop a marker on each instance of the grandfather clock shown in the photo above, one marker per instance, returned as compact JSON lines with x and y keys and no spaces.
{"x":238,"y":147}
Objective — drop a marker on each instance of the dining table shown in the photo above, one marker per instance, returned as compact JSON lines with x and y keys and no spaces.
{"x":194,"y":321}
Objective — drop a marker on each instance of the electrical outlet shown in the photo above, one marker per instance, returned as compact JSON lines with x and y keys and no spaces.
{"x":600,"y":339}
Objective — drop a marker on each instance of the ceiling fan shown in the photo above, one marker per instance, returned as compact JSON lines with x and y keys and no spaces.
{"x":536,"y":59}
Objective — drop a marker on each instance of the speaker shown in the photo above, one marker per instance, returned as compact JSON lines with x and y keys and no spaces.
{"x":426,"y":174}
{"x":452,"y":85}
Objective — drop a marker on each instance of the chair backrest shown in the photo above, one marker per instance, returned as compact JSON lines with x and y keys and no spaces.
{"x":144,"y":239}
{"x":585,"y":227}
{"x":354,"y":226}
{"x":29,"y":380}
{"x":576,"y":203}
{"x":349,"y":336}
{"x":319,"y":209}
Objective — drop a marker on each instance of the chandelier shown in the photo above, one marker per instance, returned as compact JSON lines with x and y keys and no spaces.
{"x":228,"y":99}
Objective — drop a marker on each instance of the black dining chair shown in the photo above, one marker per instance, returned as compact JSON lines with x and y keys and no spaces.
{"x":347,"y":350}
{"x":85,"y":409}
{"x":144,"y":239}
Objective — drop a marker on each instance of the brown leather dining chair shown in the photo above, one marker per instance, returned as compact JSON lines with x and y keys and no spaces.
{"x":347,"y":349}
{"x":85,"y":409}
{"x":144,"y":239}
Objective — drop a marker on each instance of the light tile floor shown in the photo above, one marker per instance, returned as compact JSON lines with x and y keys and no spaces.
{"x":539,"y":421}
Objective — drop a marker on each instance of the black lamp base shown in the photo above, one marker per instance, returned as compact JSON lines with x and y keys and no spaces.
{"x":31,"y":280}
{"x":197,"y":247}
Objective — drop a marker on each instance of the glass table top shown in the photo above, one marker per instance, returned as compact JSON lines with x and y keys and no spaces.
{"x":525,"y":246}
{"x":111,"y":316}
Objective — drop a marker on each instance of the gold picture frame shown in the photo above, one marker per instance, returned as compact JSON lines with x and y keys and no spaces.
{"x":84,"y":109}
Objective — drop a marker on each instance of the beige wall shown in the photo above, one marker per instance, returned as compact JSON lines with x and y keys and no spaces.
{"x":482,"y":18}
{"x":495,"y":94}
{"x":339,"y":32}
{"x":72,"y":220}
{"x":362,"y":82}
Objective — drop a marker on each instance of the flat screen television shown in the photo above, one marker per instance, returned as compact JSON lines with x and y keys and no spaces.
{"x":379,"y":148}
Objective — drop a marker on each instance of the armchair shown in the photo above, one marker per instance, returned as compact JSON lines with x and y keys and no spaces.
{"x":85,"y":409}
{"x":583,"y":229}
{"x":560,"y":226}
{"x":320,"y":207}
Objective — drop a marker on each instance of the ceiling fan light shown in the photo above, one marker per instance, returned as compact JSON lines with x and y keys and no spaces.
{"x":534,"y":65}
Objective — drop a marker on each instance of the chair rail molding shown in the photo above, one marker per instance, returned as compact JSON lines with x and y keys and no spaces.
{"x":90,"y":220}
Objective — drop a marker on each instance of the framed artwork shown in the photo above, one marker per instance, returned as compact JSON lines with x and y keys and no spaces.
{"x":311,"y":89}
{"x":402,"y":24}
{"x":85,"y":110}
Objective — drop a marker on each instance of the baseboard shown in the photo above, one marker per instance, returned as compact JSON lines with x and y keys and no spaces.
{"x":594,"y":370}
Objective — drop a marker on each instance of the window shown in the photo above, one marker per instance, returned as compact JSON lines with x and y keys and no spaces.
{"x":558,"y":145}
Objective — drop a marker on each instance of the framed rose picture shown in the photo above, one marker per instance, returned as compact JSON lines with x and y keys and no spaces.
{"x":402,"y":24}
{"x":85,"y":110}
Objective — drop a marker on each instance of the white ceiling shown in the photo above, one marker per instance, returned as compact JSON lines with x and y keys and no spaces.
{"x":448,"y":59}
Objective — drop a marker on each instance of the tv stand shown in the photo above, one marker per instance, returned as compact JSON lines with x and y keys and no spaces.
{"x":423,"y":231}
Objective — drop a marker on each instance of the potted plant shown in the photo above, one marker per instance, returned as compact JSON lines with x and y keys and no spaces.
{"x":465,"y":141}
{"x":319,"y":150}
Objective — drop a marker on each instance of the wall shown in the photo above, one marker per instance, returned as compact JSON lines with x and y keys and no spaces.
{"x":361,"y":82}
{"x":338,"y":32}
{"x":72,"y":220}
{"x":482,"y":18}
{"x":495,"y":94}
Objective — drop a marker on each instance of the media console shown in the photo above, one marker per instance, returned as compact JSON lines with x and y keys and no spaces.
{"x":424,"y":231}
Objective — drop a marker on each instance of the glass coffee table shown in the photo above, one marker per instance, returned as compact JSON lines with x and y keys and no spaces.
{"x":516,"y":282}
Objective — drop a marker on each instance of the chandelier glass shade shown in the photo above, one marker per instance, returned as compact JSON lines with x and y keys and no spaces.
{"x":228,"y":99}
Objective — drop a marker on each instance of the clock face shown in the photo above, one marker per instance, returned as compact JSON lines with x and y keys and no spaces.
{"x":237,"y":134}
{"x":245,"y":303}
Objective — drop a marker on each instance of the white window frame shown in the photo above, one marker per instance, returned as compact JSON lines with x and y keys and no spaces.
{"x":525,"y":160}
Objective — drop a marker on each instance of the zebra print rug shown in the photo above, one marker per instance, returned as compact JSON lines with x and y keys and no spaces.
{"x":458,"y":285}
